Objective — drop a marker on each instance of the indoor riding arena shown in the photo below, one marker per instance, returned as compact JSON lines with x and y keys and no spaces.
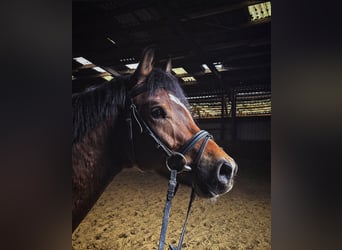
{"x":220,"y":53}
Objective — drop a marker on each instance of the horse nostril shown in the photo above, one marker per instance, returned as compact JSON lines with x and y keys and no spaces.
{"x":224,"y":172}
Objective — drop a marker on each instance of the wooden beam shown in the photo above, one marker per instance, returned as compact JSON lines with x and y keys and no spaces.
{"x":219,"y":10}
{"x":92,"y":76}
{"x":87,"y":66}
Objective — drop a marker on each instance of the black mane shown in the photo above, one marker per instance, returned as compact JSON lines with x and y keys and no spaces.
{"x":104,"y":102}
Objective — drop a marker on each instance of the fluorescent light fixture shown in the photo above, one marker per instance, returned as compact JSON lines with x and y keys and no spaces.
{"x":132,"y":65}
{"x":108,"y":78}
{"x":98,"y":69}
{"x":179,"y":71}
{"x":189,"y":79}
{"x":260,"y":10}
{"x":82,"y":60}
{"x":218,"y":66}
{"x":205,"y":67}
{"x":127,"y":59}
{"x":113,"y":42}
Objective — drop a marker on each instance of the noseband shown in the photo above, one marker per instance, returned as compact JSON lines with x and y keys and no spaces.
{"x":175,"y":160}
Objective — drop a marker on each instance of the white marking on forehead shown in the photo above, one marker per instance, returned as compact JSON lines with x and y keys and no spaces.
{"x":176,"y":100}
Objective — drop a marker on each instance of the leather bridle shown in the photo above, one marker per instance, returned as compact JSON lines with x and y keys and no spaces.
{"x":175,"y":160}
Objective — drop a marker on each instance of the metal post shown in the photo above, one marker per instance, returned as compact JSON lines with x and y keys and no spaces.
{"x":223,"y":108}
{"x":234,"y":130}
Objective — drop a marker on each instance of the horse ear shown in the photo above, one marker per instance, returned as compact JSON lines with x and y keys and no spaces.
{"x":145,"y":65}
{"x":168,"y":66}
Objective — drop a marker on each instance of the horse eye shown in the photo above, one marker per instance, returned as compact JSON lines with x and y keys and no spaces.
{"x":157,"y":113}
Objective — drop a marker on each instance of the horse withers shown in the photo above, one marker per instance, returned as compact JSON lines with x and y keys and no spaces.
{"x":119,"y":124}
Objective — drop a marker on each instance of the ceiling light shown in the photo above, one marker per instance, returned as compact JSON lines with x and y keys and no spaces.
{"x":218,"y":66}
{"x":113,"y":42}
{"x":132,"y":65}
{"x":179,"y":71}
{"x":189,"y":79}
{"x":205,"y":67}
{"x":82,"y":60}
{"x":260,"y":11}
{"x":98,"y":69}
{"x":108,"y":78}
{"x":127,"y":59}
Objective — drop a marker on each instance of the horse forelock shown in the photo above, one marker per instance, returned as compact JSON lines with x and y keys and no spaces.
{"x":159,"y":79}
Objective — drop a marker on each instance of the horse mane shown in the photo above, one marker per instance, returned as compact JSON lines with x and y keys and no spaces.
{"x":96,"y":104}
{"x":104,"y":102}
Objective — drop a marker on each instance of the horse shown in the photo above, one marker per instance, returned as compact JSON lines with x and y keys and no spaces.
{"x":119,"y":123}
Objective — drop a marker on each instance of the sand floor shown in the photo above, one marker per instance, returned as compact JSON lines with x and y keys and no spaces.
{"x":128,"y":215}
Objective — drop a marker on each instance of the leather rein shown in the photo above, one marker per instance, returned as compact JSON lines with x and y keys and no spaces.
{"x":175,"y":160}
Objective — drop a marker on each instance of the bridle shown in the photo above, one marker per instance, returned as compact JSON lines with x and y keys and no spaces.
{"x":175,"y":160}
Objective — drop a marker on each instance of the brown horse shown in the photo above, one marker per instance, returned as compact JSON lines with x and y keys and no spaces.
{"x":108,"y":136}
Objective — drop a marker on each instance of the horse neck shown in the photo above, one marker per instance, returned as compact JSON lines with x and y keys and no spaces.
{"x":96,"y":159}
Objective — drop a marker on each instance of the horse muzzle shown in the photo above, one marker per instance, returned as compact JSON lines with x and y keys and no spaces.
{"x":216,"y":181}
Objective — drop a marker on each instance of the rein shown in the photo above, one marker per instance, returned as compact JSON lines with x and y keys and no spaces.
{"x":175,"y":162}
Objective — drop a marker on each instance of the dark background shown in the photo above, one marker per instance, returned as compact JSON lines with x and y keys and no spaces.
{"x":36,"y":125}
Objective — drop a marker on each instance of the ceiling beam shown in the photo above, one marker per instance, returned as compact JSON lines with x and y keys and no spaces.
{"x":126,"y":7}
{"x":191,"y":43}
{"x":92,"y":76}
{"x":218,"y":10}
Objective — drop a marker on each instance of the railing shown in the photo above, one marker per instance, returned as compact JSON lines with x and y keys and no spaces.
{"x":248,"y":103}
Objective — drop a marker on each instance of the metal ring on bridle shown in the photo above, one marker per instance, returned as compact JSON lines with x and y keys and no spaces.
{"x":177,"y":161}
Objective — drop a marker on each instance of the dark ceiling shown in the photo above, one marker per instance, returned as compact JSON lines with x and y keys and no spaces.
{"x":111,"y":34}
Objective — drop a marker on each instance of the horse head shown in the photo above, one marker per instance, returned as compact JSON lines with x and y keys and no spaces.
{"x":161,"y":109}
